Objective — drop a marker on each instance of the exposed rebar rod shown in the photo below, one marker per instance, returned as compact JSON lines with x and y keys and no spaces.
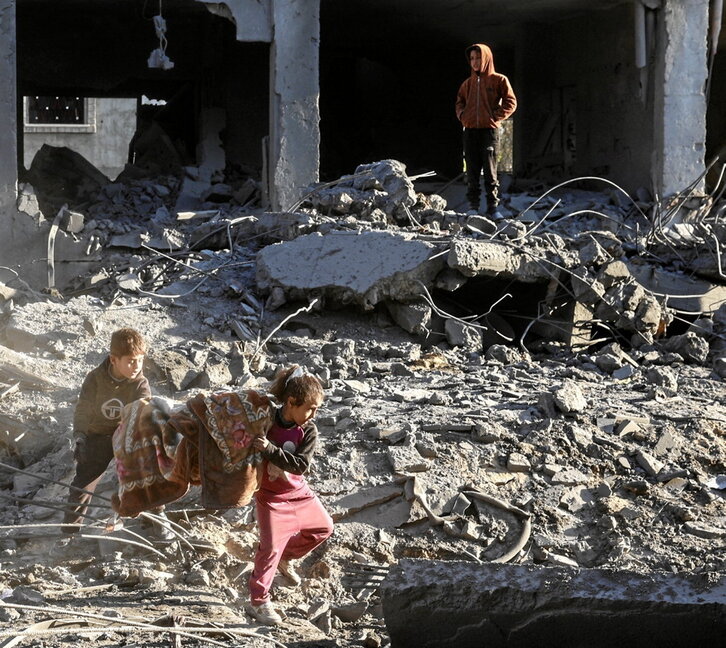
{"x":597,"y":178}
{"x":53,"y":481}
{"x":135,"y":626}
{"x":63,"y":509}
{"x":305,"y":309}
{"x":178,"y":530}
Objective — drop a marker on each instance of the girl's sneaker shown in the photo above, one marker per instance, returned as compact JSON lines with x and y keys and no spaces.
{"x":265,"y":614}
{"x":288,"y":571}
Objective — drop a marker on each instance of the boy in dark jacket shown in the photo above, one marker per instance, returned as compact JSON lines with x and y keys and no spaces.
{"x":484,"y":100}
{"x":118,"y":380}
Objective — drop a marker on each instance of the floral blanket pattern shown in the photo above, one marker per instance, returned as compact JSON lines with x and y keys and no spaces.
{"x":161,"y":451}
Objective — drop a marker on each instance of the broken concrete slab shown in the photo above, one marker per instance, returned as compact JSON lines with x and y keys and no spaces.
{"x":349,"y":267}
{"x":467,"y":605}
{"x":362,"y":499}
{"x":414,"y":317}
{"x":496,"y":259}
{"x":685,"y":292}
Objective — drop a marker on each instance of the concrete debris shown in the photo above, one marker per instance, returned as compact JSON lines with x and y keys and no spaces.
{"x":340,"y":269}
{"x":527,"y":390}
{"x":428,"y":603}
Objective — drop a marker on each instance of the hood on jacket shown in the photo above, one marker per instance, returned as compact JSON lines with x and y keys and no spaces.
{"x":487,"y":59}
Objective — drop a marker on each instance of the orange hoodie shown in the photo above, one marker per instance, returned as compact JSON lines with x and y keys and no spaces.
{"x":485,"y":98}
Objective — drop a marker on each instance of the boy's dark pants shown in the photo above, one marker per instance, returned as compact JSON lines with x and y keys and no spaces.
{"x":480,"y":153}
{"x":92,"y":454}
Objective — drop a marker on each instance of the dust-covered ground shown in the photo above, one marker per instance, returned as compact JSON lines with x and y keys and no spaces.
{"x":614,"y":468}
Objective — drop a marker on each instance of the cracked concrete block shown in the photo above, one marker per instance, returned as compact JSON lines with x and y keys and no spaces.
{"x":495,"y":259}
{"x":429,"y":604}
{"x":404,"y":460}
{"x":170,"y":367}
{"x":349,"y":267}
{"x":362,"y":499}
{"x":663,"y":377}
{"x":459,"y":334}
{"x":691,"y":346}
{"x":569,"y":398}
{"x":388,"y":177}
{"x":414,"y":317}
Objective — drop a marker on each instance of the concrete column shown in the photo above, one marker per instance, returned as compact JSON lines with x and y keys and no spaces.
{"x":8,"y":113}
{"x":680,"y":102}
{"x":294,"y":146}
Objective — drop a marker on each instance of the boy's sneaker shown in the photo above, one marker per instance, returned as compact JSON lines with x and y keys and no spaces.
{"x":495,"y":215}
{"x":288,"y":571}
{"x":265,"y":614}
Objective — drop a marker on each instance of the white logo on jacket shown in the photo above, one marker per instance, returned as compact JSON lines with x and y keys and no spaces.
{"x":111,"y":409}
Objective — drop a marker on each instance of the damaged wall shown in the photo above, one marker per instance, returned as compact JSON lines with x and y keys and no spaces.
{"x":584,"y":115}
{"x":8,"y":109}
{"x":106,"y":146}
{"x":594,"y":112}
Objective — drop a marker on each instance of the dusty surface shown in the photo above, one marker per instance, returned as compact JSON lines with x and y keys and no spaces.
{"x":624,"y":473}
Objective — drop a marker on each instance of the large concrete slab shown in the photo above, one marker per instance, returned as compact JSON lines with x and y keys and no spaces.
{"x":498,"y":259}
{"x":350,"y":267}
{"x":467,"y":605}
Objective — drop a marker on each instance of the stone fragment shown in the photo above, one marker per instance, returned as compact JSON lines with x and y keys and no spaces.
{"x":569,"y":398}
{"x":340,"y":267}
{"x":517,"y":462}
{"x":703,"y":530}
{"x":625,"y":372}
{"x":462,"y":335}
{"x":647,"y":462}
{"x":666,"y":442}
{"x":692,"y":347}
{"x":413,"y":317}
{"x":502,"y":354}
{"x":663,"y":377}
{"x":362,"y":499}
{"x":569,"y":477}
{"x":404,"y":460}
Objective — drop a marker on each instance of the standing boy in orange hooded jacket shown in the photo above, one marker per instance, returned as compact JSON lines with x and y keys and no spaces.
{"x":484,"y":100}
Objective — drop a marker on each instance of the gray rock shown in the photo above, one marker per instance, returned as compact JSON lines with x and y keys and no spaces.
{"x":662,"y":377}
{"x":459,"y":334}
{"x":692,"y":347}
{"x":502,"y":354}
{"x":647,"y":462}
{"x":569,"y":398}
{"x":414,"y":317}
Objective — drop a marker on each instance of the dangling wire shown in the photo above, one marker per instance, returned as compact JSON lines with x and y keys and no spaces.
{"x":160,"y":28}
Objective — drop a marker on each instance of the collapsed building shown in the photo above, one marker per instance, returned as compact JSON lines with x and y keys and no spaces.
{"x":293,"y":90}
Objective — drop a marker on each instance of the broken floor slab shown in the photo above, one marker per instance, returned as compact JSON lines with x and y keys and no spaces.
{"x":350,"y":267}
{"x":507,"y":261}
{"x":462,"y":605}
{"x":685,"y":293}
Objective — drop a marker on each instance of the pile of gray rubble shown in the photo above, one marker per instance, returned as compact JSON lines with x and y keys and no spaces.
{"x":545,"y":390}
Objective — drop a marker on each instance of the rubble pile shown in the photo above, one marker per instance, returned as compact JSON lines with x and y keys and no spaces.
{"x":603,"y":449}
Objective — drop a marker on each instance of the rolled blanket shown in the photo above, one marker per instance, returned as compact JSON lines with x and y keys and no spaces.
{"x":160,"y":450}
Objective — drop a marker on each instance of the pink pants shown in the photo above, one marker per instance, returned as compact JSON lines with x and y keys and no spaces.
{"x":288,"y":530}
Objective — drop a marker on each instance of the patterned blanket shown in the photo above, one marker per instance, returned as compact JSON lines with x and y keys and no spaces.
{"x":160,"y":450}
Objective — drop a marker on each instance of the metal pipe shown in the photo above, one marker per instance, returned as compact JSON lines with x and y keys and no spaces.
{"x":641,"y":58}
